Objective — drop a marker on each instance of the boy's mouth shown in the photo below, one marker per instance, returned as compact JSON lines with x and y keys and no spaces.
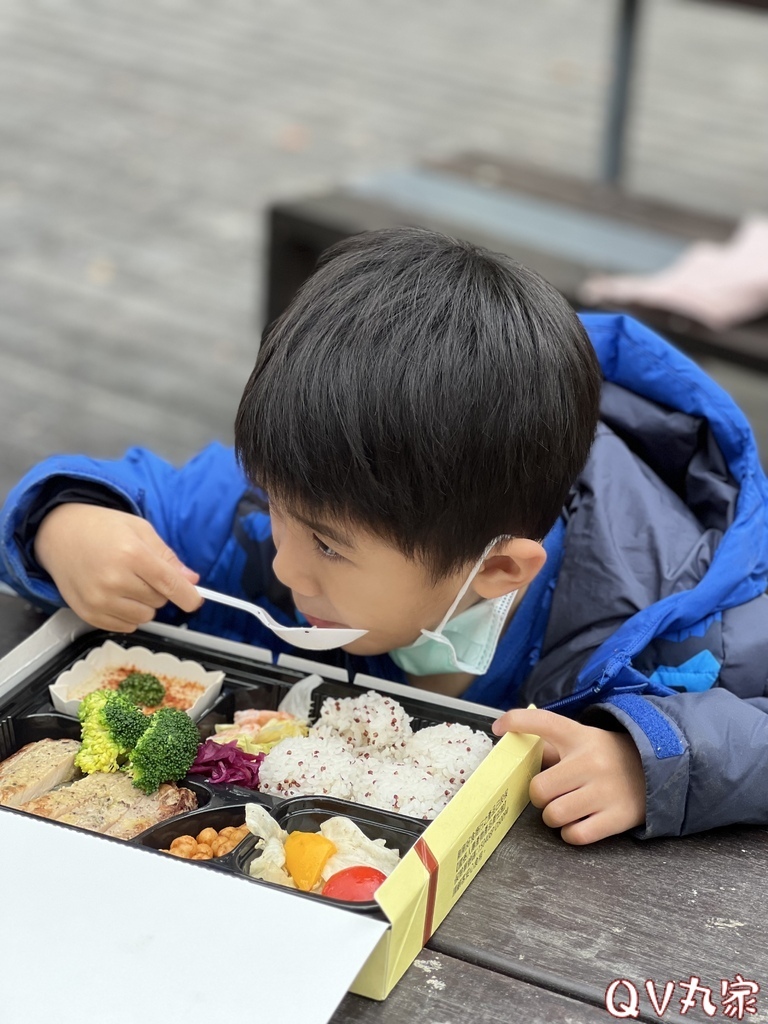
{"x":322,"y":623}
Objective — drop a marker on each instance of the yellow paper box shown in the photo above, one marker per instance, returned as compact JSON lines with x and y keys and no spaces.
{"x":431,"y":877}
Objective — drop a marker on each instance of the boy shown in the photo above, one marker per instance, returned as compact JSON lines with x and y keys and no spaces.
{"x":423,"y":419}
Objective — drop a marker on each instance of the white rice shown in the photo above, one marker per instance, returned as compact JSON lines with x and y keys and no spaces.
{"x":403,"y":787}
{"x":368,"y":722}
{"x":301,"y":765}
{"x":450,"y":751}
{"x":363,"y":749}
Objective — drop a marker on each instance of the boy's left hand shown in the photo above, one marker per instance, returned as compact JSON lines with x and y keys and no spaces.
{"x":592,"y":784}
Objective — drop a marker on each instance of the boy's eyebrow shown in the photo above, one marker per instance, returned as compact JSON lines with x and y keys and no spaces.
{"x":327,"y":531}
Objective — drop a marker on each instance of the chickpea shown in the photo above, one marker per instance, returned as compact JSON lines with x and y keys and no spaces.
{"x":226,"y":832}
{"x":183,"y":842}
{"x":207,"y":836}
{"x":205,"y":848}
{"x":186,"y":852}
{"x":203,"y":853}
{"x":221,"y":847}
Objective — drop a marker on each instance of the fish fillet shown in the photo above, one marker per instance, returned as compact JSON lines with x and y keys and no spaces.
{"x":36,"y":769}
{"x":109,"y":803}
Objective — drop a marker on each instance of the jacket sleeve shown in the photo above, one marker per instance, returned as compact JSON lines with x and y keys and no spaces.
{"x":192,"y":508}
{"x":705,"y":758}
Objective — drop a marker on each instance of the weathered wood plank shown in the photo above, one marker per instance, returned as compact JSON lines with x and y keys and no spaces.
{"x":441,"y":989}
{"x":666,"y":909}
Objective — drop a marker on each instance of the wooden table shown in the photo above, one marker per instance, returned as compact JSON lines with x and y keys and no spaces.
{"x":545,"y":928}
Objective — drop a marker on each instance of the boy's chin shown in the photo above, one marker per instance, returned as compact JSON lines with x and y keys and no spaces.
{"x":372,"y":645}
{"x":365,"y":647}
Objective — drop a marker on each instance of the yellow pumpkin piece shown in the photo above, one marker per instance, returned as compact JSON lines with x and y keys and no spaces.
{"x":306,"y":854}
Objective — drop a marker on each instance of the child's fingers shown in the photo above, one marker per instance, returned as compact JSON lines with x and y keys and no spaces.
{"x":117,"y":614}
{"x":590,"y":829}
{"x":133,"y":613}
{"x":549,"y":756}
{"x":567,"y":809}
{"x":174,"y":588}
{"x":108,"y":621}
{"x":138,"y":590}
{"x":553,"y":784}
{"x":561,"y":733}
{"x":160,"y":568}
{"x":580,"y":817}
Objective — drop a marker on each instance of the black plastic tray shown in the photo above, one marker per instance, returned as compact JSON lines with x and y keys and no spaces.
{"x":27,"y":715}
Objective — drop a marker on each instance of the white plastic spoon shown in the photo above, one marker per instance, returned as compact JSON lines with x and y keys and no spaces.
{"x":310,"y":638}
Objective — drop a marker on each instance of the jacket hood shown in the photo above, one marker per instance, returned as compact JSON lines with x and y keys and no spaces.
{"x":687,"y":431}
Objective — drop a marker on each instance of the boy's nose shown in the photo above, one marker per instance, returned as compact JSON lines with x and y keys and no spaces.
{"x":289,"y":567}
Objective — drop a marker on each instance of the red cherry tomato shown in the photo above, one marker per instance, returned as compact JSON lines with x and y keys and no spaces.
{"x":357,"y":884}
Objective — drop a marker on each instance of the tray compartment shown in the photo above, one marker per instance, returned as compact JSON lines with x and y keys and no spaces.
{"x":15,"y":733}
{"x":159,"y":837}
{"x":307,"y":813}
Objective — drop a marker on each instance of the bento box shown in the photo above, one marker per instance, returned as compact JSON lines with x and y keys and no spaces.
{"x":214,"y":914}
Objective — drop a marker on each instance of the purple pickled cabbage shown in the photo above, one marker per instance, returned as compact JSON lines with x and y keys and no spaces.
{"x":227,"y":763}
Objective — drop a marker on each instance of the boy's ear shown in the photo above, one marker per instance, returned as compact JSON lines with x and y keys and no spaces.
{"x":510,"y":566}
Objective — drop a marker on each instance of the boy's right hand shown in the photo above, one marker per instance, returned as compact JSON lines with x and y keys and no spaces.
{"x":111,"y":567}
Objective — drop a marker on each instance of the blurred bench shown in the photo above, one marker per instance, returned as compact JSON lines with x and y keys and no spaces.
{"x":565,"y":228}
{"x":562,"y":227}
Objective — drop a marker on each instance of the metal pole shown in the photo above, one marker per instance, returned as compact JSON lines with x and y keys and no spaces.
{"x":618,"y":99}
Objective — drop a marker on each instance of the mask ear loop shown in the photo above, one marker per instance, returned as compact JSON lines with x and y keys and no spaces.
{"x":466,"y":586}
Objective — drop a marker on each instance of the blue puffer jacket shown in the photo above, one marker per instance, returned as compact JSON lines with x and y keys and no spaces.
{"x":650,"y":613}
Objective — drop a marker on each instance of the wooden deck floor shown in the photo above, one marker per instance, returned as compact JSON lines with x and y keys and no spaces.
{"x":139,"y":143}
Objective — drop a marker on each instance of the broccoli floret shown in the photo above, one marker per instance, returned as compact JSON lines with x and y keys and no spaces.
{"x":142,"y":688}
{"x":166,"y":750}
{"x":111,"y":729}
{"x":126,"y":722}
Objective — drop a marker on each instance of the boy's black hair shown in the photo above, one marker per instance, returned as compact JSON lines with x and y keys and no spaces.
{"x":432,"y":392}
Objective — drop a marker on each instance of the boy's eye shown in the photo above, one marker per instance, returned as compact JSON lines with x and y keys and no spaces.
{"x":323,"y":548}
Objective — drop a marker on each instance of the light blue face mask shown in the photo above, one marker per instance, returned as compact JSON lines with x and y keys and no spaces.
{"x":464,"y":644}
